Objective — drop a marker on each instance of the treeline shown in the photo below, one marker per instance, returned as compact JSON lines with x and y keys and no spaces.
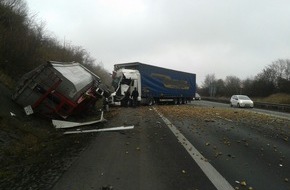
{"x":25,"y":44}
{"x":275,"y":78}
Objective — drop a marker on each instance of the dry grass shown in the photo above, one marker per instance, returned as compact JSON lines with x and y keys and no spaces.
{"x":26,"y":139}
{"x":279,"y":98}
{"x":6,"y":80}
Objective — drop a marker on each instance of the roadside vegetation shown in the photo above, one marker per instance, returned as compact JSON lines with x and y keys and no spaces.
{"x":279,"y":98}
{"x":25,"y":43}
{"x":31,"y":150}
{"x":271,"y":85}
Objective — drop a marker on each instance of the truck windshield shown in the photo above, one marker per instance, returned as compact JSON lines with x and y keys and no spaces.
{"x":116,"y":82}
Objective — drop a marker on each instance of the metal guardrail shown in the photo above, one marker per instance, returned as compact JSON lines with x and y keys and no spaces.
{"x":262,"y":105}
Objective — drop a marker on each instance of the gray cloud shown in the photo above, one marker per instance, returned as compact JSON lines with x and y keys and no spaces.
{"x":224,"y":37}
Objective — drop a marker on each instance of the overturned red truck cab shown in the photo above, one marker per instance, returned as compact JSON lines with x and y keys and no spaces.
{"x":59,"y":89}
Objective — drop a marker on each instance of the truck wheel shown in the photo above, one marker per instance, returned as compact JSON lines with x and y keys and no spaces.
{"x":175,"y":101}
{"x":151,"y":102}
{"x":184,"y":101}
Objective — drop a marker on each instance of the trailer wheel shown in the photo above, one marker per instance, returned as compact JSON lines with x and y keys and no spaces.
{"x":184,"y":101}
{"x":175,"y":101}
{"x":150,"y":102}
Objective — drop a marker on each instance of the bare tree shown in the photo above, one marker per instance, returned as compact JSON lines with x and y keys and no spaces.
{"x":209,"y":85}
{"x":233,"y":85}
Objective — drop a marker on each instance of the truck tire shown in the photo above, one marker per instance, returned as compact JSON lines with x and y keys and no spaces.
{"x":150,"y":102}
{"x":175,"y":101}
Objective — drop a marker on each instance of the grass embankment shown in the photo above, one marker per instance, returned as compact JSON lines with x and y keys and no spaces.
{"x":6,"y":80}
{"x":279,"y":98}
{"x":29,"y":145}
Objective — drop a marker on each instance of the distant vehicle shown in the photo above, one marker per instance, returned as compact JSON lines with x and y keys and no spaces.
{"x":241,"y":101}
{"x":197,"y":96}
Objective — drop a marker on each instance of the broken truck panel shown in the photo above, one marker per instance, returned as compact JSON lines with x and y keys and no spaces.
{"x":100,"y":130}
{"x":58,"y":124}
{"x":58,"y":88}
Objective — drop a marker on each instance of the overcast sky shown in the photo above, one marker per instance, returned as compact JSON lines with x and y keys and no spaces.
{"x":221,"y":37}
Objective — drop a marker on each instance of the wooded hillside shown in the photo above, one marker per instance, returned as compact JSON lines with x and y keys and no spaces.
{"x":25,"y":44}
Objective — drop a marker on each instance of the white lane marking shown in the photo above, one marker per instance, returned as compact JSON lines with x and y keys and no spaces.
{"x":213,"y":175}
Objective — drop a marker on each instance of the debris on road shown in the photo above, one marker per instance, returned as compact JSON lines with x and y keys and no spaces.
{"x":59,"y":124}
{"x":99,"y":130}
{"x":243,"y":183}
{"x":12,"y":114}
{"x":107,"y":187}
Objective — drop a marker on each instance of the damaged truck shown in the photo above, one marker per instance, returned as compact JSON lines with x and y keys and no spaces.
{"x":59,"y":89}
{"x":154,"y":84}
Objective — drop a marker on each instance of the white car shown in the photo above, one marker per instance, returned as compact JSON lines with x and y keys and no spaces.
{"x":241,"y":101}
{"x":197,"y":96}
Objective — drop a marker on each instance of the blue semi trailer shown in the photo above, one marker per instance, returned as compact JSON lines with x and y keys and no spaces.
{"x":154,"y":84}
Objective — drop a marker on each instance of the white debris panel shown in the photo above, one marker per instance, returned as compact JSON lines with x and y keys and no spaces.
{"x":59,"y":124}
{"x":99,"y":130}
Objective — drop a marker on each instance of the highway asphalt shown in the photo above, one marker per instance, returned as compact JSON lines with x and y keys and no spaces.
{"x":196,"y":146}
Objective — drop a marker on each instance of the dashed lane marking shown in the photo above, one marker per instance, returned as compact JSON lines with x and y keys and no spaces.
{"x":213,"y":175}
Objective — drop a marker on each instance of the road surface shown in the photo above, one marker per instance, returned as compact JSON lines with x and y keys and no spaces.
{"x":185,"y":147}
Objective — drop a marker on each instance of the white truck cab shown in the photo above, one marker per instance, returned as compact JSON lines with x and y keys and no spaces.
{"x":125,"y":80}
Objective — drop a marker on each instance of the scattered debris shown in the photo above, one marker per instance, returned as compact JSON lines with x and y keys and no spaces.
{"x":228,"y":120}
{"x":107,"y":187}
{"x":243,"y":183}
{"x":28,"y":110}
{"x":209,"y":120}
{"x":99,"y":130}
{"x":12,"y":114}
{"x":286,"y":180}
{"x":59,"y":124}
{"x":217,"y":154}
{"x":183,"y":171}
